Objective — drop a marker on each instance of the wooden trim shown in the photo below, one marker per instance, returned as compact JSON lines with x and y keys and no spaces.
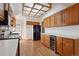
{"x":32,"y":23}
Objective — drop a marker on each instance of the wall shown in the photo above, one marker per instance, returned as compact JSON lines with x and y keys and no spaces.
{"x":67,"y":31}
{"x":24,"y":30}
{"x":21,"y":26}
{"x":29,"y":32}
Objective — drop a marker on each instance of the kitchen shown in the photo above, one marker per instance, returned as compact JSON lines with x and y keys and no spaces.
{"x":56,"y":29}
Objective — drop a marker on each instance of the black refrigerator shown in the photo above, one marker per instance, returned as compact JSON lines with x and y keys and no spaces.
{"x":36,"y":32}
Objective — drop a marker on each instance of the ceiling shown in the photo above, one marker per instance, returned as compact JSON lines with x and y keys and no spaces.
{"x":17,"y":8}
{"x":35,"y":9}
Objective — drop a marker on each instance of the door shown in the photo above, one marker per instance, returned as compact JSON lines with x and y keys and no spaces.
{"x":36,"y":32}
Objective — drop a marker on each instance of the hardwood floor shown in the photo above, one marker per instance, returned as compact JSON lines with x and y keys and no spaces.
{"x":34,"y":48}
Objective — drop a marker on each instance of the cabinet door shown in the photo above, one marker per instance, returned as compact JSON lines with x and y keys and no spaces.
{"x":44,"y":23}
{"x":66,"y":16}
{"x":74,"y":11}
{"x":47,"y":41}
{"x":70,"y":15}
{"x":52,"y":21}
{"x":68,"y":47}
{"x":42,"y":38}
{"x":59,"y":45}
{"x":58,"y":19}
{"x":47,"y":22}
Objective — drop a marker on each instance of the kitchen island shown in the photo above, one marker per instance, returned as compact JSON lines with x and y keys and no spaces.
{"x":9,"y":46}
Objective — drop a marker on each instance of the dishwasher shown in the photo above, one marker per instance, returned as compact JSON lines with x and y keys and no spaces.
{"x":53,"y":43}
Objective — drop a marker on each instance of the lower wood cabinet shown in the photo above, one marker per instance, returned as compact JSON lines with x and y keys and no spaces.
{"x":67,"y":46}
{"x":45,"y":39}
{"x":59,"y":45}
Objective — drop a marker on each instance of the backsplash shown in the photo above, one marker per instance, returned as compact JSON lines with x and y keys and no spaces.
{"x":66,"y":30}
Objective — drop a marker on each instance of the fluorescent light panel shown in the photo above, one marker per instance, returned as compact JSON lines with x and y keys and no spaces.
{"x":28,"y":9}
{"x":37,"y":6}
{"x":29,"y":4}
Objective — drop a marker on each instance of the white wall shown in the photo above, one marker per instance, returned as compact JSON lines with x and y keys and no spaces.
{"x":68,"y":31}
{"x":21,"y":26}
{"x":29,"y":32}
{"x":26,"y":31}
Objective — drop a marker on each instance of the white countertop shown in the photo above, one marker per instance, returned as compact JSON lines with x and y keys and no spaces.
{"x":66,"y":31}
{"x":8,"y":47}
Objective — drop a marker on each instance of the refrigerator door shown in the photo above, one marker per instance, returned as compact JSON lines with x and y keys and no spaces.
{"x":36,"y":32}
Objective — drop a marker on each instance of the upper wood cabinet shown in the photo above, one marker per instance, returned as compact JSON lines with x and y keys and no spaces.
{"x":66,"y":16}
{"x":47,"y":22}
{"x":4,"y":13}
{"x":74,"y":14}
{"x":70,"y":15}
{"x":58,"y":19}
{"x":52,"y":21}
{"x":1,"y":11}
{"x":32,"y":23}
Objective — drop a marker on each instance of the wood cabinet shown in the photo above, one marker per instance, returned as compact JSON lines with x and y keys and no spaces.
{"x":32,"y":23}
{"x":68,"y":47}
{"x":74,"y":14}
{"x":76,"y":47}
{"x":42,"y":38}
{"x":52,"y":21}
{"x":66,"y":16}
{"x":45,"y":39}
{"x":47,"y":22}
{"x":70,"y":15}
{"x":59,"y":44}
{"x":58,"y":19}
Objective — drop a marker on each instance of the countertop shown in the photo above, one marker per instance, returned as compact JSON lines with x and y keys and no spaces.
{"x":66,"y":31}
{"x":8,"y":47}
{"x":9,"y":44}
{"x":10,"y":36}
